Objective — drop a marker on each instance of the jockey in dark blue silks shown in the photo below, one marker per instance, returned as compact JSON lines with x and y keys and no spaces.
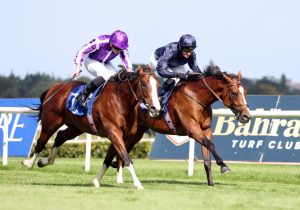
{"x":169,"y":61}
{"x":96,"y":56}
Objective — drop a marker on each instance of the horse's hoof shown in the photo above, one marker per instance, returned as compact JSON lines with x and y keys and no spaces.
{"x":40,"y":163}
{"x":25,"y":163}
{"x":96,"y":183}
{"x":120,"y":181}
{"x":140,"y":187}
{"x":114,"y":164}
{"x":225,"y":170}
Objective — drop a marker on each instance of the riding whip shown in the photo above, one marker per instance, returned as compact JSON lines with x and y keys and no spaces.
{"x":73,"y":77}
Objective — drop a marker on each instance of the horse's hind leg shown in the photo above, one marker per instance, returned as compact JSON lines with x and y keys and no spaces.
{"x":41,"y":142}
{"x":62,"y":136}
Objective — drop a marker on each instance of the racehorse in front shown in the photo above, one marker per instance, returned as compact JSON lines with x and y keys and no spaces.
{"x":111,"y":112}
{"x":190,"y":114}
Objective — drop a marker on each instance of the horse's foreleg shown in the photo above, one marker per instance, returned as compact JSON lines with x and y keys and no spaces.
{"x":211,"y":147}
{"x":116,"y":138}
{"x":207,"y":160}
{"x":130,"y":143}
{"x":119,"y":170}
{"x":207,"y":165}
{"x":135,"y":179}
{"x":61,"y":137}
{"x":199,"y":136}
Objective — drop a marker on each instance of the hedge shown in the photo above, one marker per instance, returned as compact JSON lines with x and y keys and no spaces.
{"x":98,"y":150}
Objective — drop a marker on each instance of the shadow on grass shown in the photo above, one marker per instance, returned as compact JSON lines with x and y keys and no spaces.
{"x":175,"y":182}
{"x":87,"y":185}
{"x":125,"y":186}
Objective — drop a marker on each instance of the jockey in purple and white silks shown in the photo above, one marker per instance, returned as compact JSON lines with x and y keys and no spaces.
{"x":169,"y":61}
{"x":96,"y":56}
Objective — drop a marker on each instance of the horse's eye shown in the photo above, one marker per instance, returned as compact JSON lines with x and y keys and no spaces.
{"x":234,"y":95}
{"x":144,"y":85}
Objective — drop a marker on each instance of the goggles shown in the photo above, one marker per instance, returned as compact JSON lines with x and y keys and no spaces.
{"x":188,"y":49}
{"x":116,"y":48}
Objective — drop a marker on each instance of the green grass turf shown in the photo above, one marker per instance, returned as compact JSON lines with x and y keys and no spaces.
{"x":66,"y":186}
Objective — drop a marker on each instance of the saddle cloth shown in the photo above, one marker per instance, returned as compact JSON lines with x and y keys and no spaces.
{"x":73,"y":105}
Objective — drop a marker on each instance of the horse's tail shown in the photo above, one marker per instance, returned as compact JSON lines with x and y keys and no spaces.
{"x":40,"y":108}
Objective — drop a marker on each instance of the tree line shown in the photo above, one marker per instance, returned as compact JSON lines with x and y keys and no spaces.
{"x":33,"y":85}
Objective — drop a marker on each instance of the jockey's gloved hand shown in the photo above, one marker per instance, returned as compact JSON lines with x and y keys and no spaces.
{"x":182,"y":75}
{"x":194,"y":76}
{"x":122,"y":75}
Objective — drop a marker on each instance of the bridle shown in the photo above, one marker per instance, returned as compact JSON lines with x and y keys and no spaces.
{"x":236,"y":109}
{"x":143,"y":100}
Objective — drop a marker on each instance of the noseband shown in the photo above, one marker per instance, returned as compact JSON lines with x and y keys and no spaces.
{"x":143,"y":100}
{"x":237,"y":110}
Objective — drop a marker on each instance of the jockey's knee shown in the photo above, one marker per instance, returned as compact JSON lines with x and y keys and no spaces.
{"x":168,"y":82}
{"x":98,"y":81}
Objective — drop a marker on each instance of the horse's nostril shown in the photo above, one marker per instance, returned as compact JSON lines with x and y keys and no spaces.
{"x":152,"y":108}
{"x":246,"y":118}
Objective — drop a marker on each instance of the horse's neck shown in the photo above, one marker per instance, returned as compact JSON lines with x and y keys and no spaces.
{"x":214,"y":89}
{"x":128,"y":93}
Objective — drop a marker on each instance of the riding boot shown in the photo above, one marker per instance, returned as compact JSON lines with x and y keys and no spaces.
{"x":88,"y":89}
{"x":165,"y":86}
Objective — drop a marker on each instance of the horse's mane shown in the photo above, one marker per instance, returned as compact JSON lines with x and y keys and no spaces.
{"x":215,"y":71}
{"x":130,"y":76}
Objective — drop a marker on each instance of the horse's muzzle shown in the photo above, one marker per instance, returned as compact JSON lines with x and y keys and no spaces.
{"x":243,"y":118}
{"x":153,"y":111}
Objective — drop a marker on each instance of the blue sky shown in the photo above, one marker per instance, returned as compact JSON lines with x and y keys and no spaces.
{"x":259,"y":37}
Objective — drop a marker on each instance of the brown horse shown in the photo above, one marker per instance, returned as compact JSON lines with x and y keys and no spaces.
{"x":111,"y":114}
{"x":191,"y":113}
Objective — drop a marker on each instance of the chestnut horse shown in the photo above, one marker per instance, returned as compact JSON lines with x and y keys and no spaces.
{"x":190,"y":111}
{"x":111,"y":114}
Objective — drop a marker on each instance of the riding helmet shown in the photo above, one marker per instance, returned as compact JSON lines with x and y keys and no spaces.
{"x":119,"y":39}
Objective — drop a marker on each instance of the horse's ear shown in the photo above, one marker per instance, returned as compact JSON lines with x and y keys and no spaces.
{"x":150,"y":68}
{"x":239,"y":75}
{"x":228,"y":78}
{"x":140,"y":69}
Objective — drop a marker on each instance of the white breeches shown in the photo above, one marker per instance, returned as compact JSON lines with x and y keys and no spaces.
{"x":99,"y":69}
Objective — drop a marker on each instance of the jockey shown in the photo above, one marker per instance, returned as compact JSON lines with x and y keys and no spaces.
{"x":169,"y":61}
{"x":97,"y":55}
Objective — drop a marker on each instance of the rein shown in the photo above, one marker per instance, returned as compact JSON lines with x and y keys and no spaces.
{"x":211,"y":90}
{"x":233,"y":107}
{"x":144,"y":101}
{"x":132,"y":91}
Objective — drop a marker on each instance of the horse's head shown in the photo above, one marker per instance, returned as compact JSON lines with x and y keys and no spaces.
{"x":235,"y":97}
{"x":147,"y":90}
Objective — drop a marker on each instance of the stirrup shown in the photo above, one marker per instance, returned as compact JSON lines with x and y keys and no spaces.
{"x":82,"y":100}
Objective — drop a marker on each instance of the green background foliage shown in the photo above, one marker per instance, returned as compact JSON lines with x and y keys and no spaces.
{"x":33,"y":85}
{"x":98,"y":150}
